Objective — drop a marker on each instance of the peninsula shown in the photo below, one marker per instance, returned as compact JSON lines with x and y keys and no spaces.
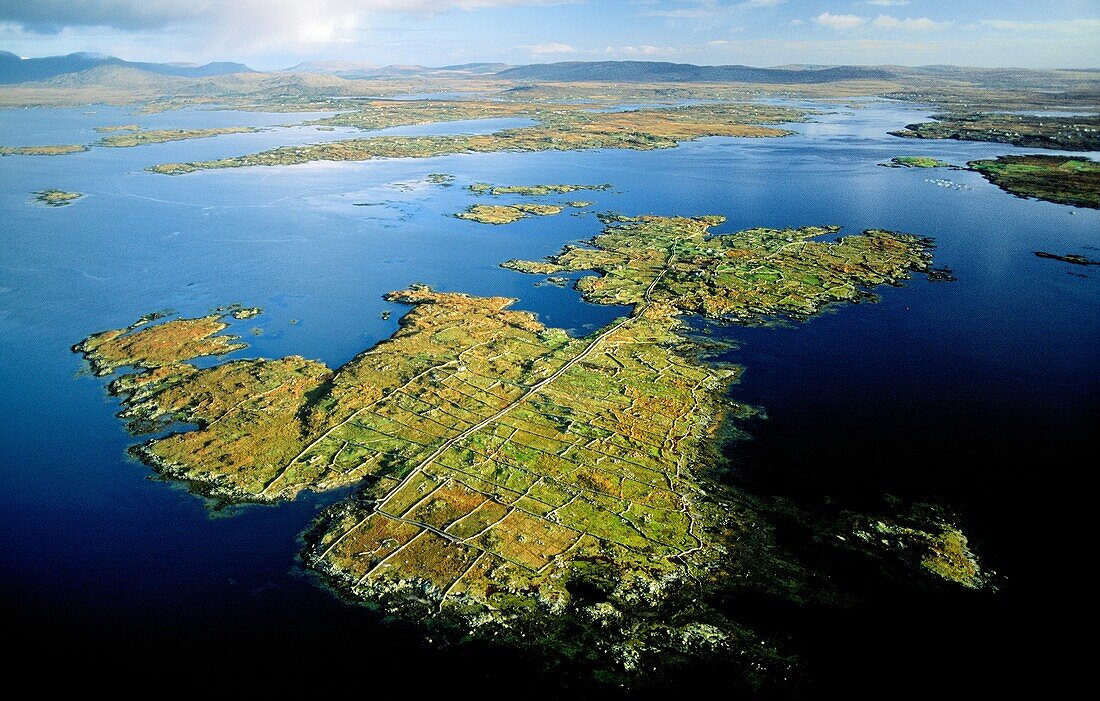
{"x":1061,"y":179}
{"x":1081,"y":133}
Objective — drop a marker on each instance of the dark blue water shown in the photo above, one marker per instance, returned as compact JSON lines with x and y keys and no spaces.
{"x":967,"y":392}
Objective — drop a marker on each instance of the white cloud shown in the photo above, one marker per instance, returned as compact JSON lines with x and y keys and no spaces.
{"x":888,"y":3}
{"x":243,"y":28}
{"x":684,"y":13}
{"x":706,"y":9}
{"x":552,"y":48}
{"x":643,"y":50}
{"x":53,"y":15}
{"x":1073,"y":26}
{"x":921,"y":24}
{"x":839,"y":22}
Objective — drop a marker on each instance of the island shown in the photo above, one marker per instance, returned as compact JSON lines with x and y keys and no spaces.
{"x":239,"y":311}
{"x":1061,"y":179}
{"x":60,"y":150}
{"x":125,"y":135}
{"x":923,"y":533}
{"x":1078,"y":133}
{"x":567,"y":129}
{"x":531,"y":190}
{"x":516,"y":483}
{"x":918,"y":162}
{"x":749,"y":275}
{"x":56,"y":198}
{"x":506,"y":213}
{"x":1075,"y":258}
{"x":139,"y":137}
{"x":441,"y":179}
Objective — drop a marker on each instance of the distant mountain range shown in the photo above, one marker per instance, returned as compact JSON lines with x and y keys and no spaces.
{"x":88,"y":70}
{"x":14,"y":69}
{"x":662,"y":72}
{"x":613,"y":71}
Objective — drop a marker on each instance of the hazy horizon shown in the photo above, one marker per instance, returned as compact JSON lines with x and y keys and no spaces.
{"x":322,"y":60}
{"x":277,"y":34}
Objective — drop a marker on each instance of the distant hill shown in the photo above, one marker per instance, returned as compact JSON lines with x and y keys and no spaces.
{"x":126,"y":79}
{"x":14,"y":69}
{"x":663,"y":72}
{"x":116,"y":77}
{"x":184,"y":71}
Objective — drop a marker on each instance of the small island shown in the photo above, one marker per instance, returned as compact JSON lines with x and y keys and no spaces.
{"x":918,"y":162}
{"x":239,"y":311}
{"x":1074,"y":258}
{"x":506,"y":213}
{"x":1060,"y":179}
{"x":56,"y":198}
{"x":441,"y":179}
{"x":138,"y":137}
{"x":246,"y":312}
{"x":60,"y":150}
{"x":531,"y":190}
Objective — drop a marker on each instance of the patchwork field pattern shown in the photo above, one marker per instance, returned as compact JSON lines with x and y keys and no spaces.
{"x":750,"y":274}
{"x":495,"y":454}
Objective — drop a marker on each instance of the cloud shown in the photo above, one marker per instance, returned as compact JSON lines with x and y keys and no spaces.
{"x":50,"y":16}
{"x":707,"y":9}
{"x":644,"y":50}
{"x":888,"y":3}
{"x":842,"y":23}
{"x":215,"y":28}
{"x":684,"y":13}
{"x":631,"y":51}
{"x":1073,"y":26}
{"x":245,"y":16}
{"x":922,"y":24}
{"x":552,"y":48}
{"x":839,"y":22}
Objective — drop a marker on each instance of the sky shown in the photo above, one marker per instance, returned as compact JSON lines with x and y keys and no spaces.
{"x":270,"y":34}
